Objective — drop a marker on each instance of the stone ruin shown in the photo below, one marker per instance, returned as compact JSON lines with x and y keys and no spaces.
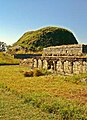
{"x":64,"y":59}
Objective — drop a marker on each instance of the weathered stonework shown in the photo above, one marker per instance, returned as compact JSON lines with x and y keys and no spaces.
{"x":26,"y":62}
{"x":65,"y":59}
{"x":65,"y":50}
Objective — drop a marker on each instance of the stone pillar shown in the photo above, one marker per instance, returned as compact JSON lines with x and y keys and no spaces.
{"x":41,"y":63}
{"x":71,"y":67}
{"x":84,"y":66}
{"x":81,"y":66}
{"x":67,"y":67}
{"x":36,"y":63}
{"x":58,"y":66}
{"x":32,"y":64}
{"x":55,"y":65}
{"x":78,"y":67}
{"x":62,"y":67}
{"x":45,"y":64}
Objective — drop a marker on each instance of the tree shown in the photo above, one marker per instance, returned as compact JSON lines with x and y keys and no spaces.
{"x":3,"y":46}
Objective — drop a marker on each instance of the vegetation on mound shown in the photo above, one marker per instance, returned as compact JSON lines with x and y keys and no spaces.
{"x":6,"y":59}
{"x":48,"y":36}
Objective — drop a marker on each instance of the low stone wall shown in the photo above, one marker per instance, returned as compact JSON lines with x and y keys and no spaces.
{"x":65,"y":50}
{"x":62,"y":66}
{"x":64,"y":59}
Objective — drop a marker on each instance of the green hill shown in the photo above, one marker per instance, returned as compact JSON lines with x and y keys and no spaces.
{"x":48,"y":36}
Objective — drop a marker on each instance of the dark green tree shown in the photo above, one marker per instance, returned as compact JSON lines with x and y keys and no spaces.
{"x":3,"y":46}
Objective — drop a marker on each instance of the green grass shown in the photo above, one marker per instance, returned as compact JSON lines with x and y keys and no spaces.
{"x":13,"y":108}
{"x":53,"y":97}
{"x":6,"y":59}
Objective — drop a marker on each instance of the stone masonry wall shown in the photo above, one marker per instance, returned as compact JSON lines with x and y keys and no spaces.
{"x":65,"y":59}
{"x":65,"y":50}
{"x":65,"y":67}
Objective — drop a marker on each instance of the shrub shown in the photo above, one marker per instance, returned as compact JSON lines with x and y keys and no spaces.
{"x":37,"y":72}
{"x":46,"y":72}
{"x":28,"y":74}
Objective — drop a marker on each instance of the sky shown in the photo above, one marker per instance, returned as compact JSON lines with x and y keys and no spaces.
{"x":20,"y":16}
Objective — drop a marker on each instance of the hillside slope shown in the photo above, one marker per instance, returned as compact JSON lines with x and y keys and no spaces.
{"x":48,"y":36}
{"x":6,"y":59}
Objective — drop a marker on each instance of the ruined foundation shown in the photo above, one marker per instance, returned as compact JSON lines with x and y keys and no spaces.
{"x":65,"y":59}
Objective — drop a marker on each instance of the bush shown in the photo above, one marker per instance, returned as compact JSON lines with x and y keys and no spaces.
{"x":28,"y":74}
{"x":37,"y":72}
{"x":46,"y":72}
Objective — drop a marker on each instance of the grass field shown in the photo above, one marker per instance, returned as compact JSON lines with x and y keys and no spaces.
{"x":49,"y":97}
{"x":6,"y":59}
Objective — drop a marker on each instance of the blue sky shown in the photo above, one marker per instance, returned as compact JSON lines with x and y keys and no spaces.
{"x":19,"y":16}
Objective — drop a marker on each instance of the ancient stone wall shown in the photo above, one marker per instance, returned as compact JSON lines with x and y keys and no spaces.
{"x":65,"y":50}
{"x":66,"y":59}
{"x":62,"y":67}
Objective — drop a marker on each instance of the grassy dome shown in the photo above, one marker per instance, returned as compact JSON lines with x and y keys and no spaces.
{"x":45,"y":37}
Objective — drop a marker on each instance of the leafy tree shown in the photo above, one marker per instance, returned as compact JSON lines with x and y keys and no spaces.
{"x":3,"y":46}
